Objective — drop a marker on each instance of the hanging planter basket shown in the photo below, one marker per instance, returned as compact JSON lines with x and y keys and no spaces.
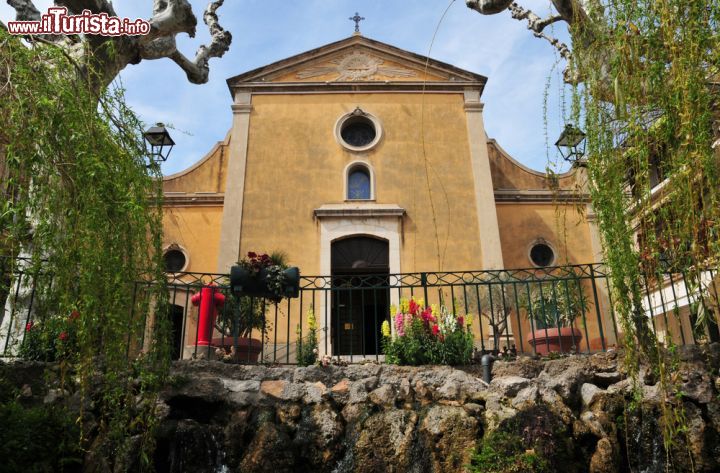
{"x":245,"y":282}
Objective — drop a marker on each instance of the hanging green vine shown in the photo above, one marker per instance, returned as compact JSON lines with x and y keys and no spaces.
{"x":649,"y":100}
{"x":80,"y":200}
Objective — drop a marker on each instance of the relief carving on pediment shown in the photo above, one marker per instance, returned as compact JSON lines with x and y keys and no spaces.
{"x":356,"y":66}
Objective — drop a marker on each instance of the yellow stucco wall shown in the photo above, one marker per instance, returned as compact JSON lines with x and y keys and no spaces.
{"x":507,"y":173}
{"x":295,"y":166}
{"x":196,"y":230}
{"x":207,"y":175}
{"x":560,"y":225}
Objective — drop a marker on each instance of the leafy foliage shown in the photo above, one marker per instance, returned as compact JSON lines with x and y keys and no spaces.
{"x":38,"y":439}
{"x":502,"y":452}
{"x":648,"y":100}
{"x":241,"y":316}
{"x":51,"y":340}
{"x":307,"y":346}
{"x":647,"y":103}
{"x":533,"y":441}
{"x":82,"y":202}
{"x":555,"y":304}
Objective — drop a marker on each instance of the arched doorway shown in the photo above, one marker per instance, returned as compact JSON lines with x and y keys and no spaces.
{"x":360,"y":268}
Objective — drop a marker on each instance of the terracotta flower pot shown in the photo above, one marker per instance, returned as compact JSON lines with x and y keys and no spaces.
{"x":564,"y":340}
{"x":247,"y":349}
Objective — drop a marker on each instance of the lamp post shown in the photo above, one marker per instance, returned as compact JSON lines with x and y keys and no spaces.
{"x":571,"y":145}
{"x":160,"y":142}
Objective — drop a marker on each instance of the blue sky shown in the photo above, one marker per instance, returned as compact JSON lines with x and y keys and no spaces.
{"x":518,"y":65}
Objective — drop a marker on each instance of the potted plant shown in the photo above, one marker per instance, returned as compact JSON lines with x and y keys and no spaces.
{"x":240,"y":319}
{"x":256,"y":280}
{"x":265,"y":276}
{"x":553,"y":308}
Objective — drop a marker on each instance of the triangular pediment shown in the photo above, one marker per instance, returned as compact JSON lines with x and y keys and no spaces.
{"x":356,"y":59}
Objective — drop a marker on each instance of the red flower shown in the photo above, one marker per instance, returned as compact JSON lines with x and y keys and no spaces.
{"x":427,"y":316}
{"x":461,"y":321}
{"x":29,"y":326}
{"x":435,"y":329}
{"x":74,"y":315}
{"x":63,"y":336}
{"x":413,"y":307}
{"x":252,"y":254}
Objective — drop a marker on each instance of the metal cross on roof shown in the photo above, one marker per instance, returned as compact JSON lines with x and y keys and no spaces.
{"x":357,"y":19}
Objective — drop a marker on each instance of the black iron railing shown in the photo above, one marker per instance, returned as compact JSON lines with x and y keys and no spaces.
{"x":533,"y":310}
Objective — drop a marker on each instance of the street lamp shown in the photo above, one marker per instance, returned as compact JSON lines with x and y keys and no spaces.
{"x":571,"y":144}
{"x":160,"y":142}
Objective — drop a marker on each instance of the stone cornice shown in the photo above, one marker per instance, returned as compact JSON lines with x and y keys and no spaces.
{"x":345,"y":87}
{"x":241,"y":108}
{"x":359,"y":211}
{"x":474,"y":106}
{"x":539,"y":196}
{"x":358,"y":43}
{"x":193,"y":199}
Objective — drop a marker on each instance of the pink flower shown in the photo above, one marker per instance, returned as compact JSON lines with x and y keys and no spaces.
{"x":400,"y":324}
{"x":435,"y":329}
{"x":63,"y":336}
{"x":29,"y":326}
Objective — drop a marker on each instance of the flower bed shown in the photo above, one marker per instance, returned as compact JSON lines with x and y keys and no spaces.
{"x":426,"y":335}
{"x":51,"y":340}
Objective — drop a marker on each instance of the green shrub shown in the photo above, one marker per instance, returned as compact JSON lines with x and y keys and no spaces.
{"x":426,"y":335}
{"x":307,"y":346}
{"x":503,"y":452}
{"x":38,"y":439}
{"x":533,"y":441}
{"x":53,"y":339}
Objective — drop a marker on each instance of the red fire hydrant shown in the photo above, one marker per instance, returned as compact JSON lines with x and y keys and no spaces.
{"x":209,"y":299}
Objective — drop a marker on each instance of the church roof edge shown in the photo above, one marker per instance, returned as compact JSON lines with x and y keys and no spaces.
{"x":258,"y":75}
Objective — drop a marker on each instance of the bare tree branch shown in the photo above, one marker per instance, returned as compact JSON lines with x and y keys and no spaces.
{"x":197,"y":70}
{"x":76,"y":7}
{"x":488,"y":7}
{"x":537,"y":25}
{"x":25,"y":10}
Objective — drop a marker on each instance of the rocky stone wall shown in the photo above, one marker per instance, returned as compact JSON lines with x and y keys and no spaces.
{"x":574,"y":414}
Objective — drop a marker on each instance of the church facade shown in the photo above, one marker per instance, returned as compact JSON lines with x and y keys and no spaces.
{"x":358,"y":157}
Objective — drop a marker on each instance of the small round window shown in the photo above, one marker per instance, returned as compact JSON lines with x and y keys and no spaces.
{"x":542,"y":255}
{"x":175,"y":260}
{"x":358,"y":131}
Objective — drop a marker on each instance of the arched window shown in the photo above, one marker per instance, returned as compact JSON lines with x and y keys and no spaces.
{"x":358,"y":183}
